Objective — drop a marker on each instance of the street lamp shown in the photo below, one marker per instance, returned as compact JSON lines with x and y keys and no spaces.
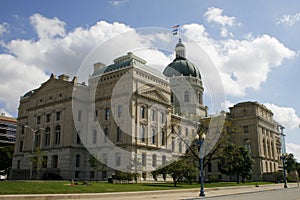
{"x":283,"y":157}
{"x":32,"y":147}
{"x":200,"y":137}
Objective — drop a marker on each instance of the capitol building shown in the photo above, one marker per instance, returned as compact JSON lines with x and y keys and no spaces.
{"x":131,"y":118}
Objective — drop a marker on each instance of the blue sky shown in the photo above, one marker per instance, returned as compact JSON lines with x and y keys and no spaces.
{"x":254,"y":44}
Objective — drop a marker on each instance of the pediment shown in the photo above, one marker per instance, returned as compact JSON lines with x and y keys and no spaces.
{"x":154,"y":94}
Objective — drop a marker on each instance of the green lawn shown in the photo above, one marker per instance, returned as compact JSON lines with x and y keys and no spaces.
{"x":60,"y":187}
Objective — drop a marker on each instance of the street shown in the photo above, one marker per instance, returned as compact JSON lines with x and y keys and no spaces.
{"x":288,"y":194}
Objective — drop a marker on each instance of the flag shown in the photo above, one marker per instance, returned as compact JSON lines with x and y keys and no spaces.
{"x":176,"y":26}
{"x":175,"y":31}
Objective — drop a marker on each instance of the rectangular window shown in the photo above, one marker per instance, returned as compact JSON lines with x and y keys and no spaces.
{"x":144,"y":159}
{"x":95,"y":115}
{"x":58,"y":113}
{"x":162,"y":142}
{"x":77,"y":160}
{"x":154,"y":160}
{"x":95,"y":136}
{"x":21,"y":146}
{"x":118,"y":159}
{"x":119,"y":134}
{"x":79,"y":116}
{"x":209,"y":167}
{"x":246,"y":129}
{"x":186,"y":131}
{"x":107,"y":113}
{"x":48,"y":117}
{"x":152,"y":112}
{"x":78,"y":140}
{"x":119,"y":111}
{"x":143,"y":112}
{"x":38,"y":120}
{"x":173,"y":144}
{"x":142,"y":133}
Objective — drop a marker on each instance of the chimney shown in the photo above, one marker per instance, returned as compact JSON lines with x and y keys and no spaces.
{"x":63,"y":77}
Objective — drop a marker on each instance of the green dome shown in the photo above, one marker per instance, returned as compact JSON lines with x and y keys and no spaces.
{"x":182,"y":66}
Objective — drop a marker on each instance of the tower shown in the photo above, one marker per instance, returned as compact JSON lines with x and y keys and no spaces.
{"x":186,"y":84}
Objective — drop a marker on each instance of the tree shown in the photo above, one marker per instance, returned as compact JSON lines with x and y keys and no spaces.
{"x":178,"y":170}
{"x":236,"y":161}
{"x":38,"y":159}
{"x":290,"y":163}
{"x":135,"y":167}
{"x":6,"y":154}
{"x":96,"y":164}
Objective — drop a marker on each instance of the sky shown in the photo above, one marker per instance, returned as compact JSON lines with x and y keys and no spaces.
{"x":254,"y":45}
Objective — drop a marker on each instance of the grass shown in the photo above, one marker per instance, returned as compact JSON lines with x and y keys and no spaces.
{"x":63,"y":187}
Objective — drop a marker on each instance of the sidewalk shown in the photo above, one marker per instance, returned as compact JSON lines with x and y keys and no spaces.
{"x":147,"y":195}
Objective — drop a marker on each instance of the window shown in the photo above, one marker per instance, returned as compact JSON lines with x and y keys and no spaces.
{"x":173,"y":144}
{"x":92,"y":175}
{"x":118,"y":159}
{"x":38,"y":119}
{"x":164,"y":160}
{"x":247,"y":144}
{"x":95,"y":115}
{"x":18,"y":164}
{"x":153,"y":136}
{"x":37,"y":139}
{"x":142,"y":133}
{"x":54,"y":162}
{"x":78,"y":140}
{"x":77,"y":174}
{"x":162,"y":142}
{"x":186,"y":96}
{"x":57,"y":135}
{"x":143,"y":112}
{"x":44,"y":161}
{"x":79,"y":116}
{"x":144,"y":159}
{"x":152,"y":112}
{"x":119,"y":110}
{"x":104,"y":175}
{"x":47,"y":137}
{"x":186,"y":131}
{"x":77,"y":160}
{"x":245,"y":129}
{"x":104,"y":157}
{"x":48,"y":117}
{"x":119,"y":134}
{"x":107,"y":113}
{"x":209,"y":167}
{"x":162,"y":117}
{"x":21,"y":146}
{"x":22,"y":129}
{"x":95,"y":136}
{"x":180,"y":146}
{"x":154,"y":160}
{"x":106,"y":134}
{"x":58,"y":113}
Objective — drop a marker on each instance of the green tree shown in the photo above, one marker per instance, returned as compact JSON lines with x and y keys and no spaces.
{"x":38,"y":159}
{"x":290,"y":163}
{"x":96,"y":164}
{"x":6,"y":155}
{"x":236,"y":161}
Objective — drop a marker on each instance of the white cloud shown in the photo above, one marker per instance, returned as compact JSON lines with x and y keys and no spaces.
{"x":294,"y":149}
{"x":287,"y":116}
{"x":242,"y":64}
{"x":47,"y":28}
{"x":3,"y":28}
{"x":289,"y":20}
{"x":215,"y":15}
{"x":117,"y":3}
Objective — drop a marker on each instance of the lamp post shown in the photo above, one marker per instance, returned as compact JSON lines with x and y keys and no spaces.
{"x":200,"y":137}
{"x":32,"y":147}
{"x":283,"y":156}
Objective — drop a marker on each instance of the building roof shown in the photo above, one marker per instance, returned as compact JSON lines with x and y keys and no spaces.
{"x":182,"y":67}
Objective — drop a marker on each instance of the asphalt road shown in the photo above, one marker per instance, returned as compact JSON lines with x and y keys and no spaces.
{"x":284,"y":194}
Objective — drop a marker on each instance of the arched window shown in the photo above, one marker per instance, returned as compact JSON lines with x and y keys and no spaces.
{"x":57,"y":135}
{"x":186,"y":96}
